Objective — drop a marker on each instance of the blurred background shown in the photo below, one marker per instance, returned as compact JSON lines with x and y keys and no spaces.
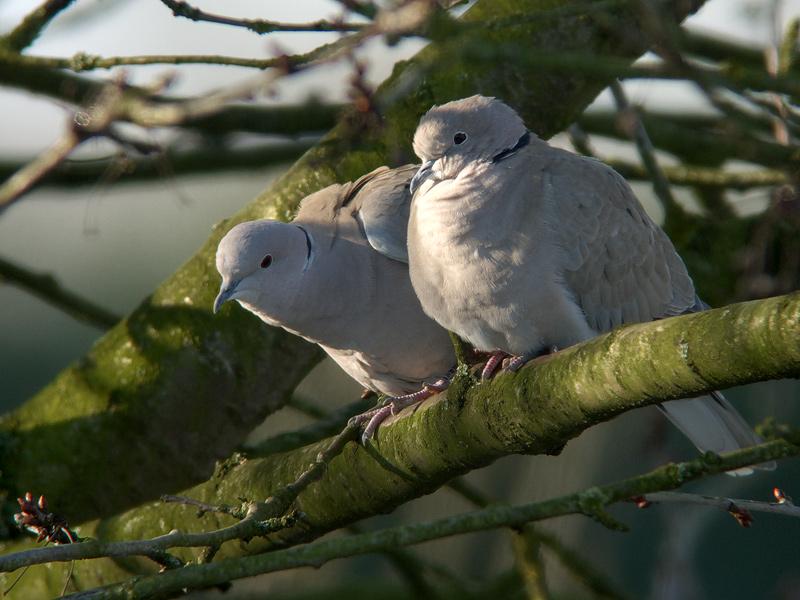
{"x":113,"y":241}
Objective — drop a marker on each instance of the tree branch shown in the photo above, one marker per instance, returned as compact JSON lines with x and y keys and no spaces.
{"x":180,"y":8}
{"x":25,"y":178}
{"x":89,"y":62}
{"x":698,"y":140}
{"x":703,"y":176}
{"x":24,"y":34}
{"x":205,"y":158}
{"x":319,"y":553}
{"x":636,"y":130}
{"x":535,"y":411}
{"x":46,"y":287}
{"x":728,"y":504}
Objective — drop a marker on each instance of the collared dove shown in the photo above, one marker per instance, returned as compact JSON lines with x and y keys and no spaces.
{"x":519,"y":247}
{"x":337,"y":276}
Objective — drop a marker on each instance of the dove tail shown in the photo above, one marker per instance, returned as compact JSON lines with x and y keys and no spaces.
{"x":712,"y":423}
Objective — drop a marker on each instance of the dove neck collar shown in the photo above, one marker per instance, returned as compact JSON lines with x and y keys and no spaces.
{"x":521,"y":143}
{"x":309,"y":248}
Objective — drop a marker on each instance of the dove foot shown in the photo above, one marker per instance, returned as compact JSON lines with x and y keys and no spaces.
{"x":517,"y":362}
{"x":373,"y":418}
{"x":495,"y":359}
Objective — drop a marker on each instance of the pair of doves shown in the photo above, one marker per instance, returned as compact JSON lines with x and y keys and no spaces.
{"x":517,"y":247}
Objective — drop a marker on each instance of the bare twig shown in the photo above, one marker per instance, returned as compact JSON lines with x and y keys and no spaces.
{"x":315,"y":471}
{"x":180,"y":8}
{"x":208,"y":158}
{"x":24,"y":34}
{"x":237,"y":512}
{"x":24,"y":179}
{"x":594,"y":580}
{"x":89,"y":62}
{"x":731,"y":505}
{"x":328,"y":424}
{"x":580,"y":140}
{"x":48,"y":289}
{"x":247,"y":528}
{"x":704,"y":176}
{"x":528,"y":562}
{"x":634,"y":127}
{"x":85,"y":124}
{"x":258,"y":519}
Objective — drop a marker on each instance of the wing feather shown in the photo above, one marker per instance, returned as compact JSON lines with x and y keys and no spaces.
{"x":619,"y":265}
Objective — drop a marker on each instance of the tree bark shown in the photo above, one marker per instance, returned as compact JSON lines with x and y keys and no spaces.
{"x":535,"y":411}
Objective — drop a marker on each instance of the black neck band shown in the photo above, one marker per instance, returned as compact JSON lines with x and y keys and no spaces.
{"x":521,"y":143}
{"x":308,"y":242}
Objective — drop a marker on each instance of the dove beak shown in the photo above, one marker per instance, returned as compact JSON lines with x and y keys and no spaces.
{"x":421,"y":175}
{"x":226,"y":292}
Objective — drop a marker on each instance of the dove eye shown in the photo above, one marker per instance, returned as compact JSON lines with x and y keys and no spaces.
{"x":266,"y":261}
{"x":460,"y":137}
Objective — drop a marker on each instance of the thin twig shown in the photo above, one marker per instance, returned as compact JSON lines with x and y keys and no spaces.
{"x":635,"y":128}
{"x":580,"y":140}
{"x":315,"y":471}
{"x":247,"y":528}
{"x":727,"y":504}
{"x":586,"y":573}
{"x":327,"y":425}
{"x":259,"y":519}
{"x":310,"y":409}
{"x":204,"y":159}
{"x":593,"y":579}
{"x":47,"y":288}
{"x":260,"y":26}
{"x":88,"y":62}
{"x":24,"y":34}
{"x":413,"y":569}
{"x":24,"y":179}
{"x":321,"y":552}
{"x":704,"y":176}
{"x":237,"y":512}
{"x":85,"y":124}
{"x":528,"y":561}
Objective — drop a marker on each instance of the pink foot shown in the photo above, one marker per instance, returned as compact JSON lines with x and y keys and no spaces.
{"x":517,"y":362}
{"x":495,"y":358}
{"x":373,"y":418}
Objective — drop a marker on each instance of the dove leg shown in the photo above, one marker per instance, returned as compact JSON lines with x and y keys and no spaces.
{"x":495,"y":358}
{"x":394,"y":405}
{"x":517,"y":362}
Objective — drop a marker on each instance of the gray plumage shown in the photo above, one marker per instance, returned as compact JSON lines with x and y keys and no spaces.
{"x":518,"y":247}
{"x":326,"y":283}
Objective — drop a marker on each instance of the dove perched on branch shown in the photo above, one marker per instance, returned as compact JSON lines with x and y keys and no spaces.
{"x":336,"y":276}
{"x":519,"y":248}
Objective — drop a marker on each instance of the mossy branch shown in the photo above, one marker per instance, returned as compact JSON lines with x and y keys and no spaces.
{"x":24,"y":34}
{"x":535,"y":411}
{"x":588,"y":502}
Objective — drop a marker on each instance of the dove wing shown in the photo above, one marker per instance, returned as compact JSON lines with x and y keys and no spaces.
{"x":379,"y":201}
{"x":619,"y":265}
{"x":382,"y":208}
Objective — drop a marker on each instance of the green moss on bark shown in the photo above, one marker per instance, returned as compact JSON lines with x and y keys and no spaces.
{"x":540,"y":408}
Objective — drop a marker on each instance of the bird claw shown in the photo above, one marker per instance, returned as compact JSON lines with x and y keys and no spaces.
{"x":517,"y":362}
{"x":373,"y":418}
{"x":495,"y":359}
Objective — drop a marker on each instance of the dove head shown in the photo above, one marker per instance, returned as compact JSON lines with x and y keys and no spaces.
{"x":451,"y":136}
{"x":262,"y":263}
